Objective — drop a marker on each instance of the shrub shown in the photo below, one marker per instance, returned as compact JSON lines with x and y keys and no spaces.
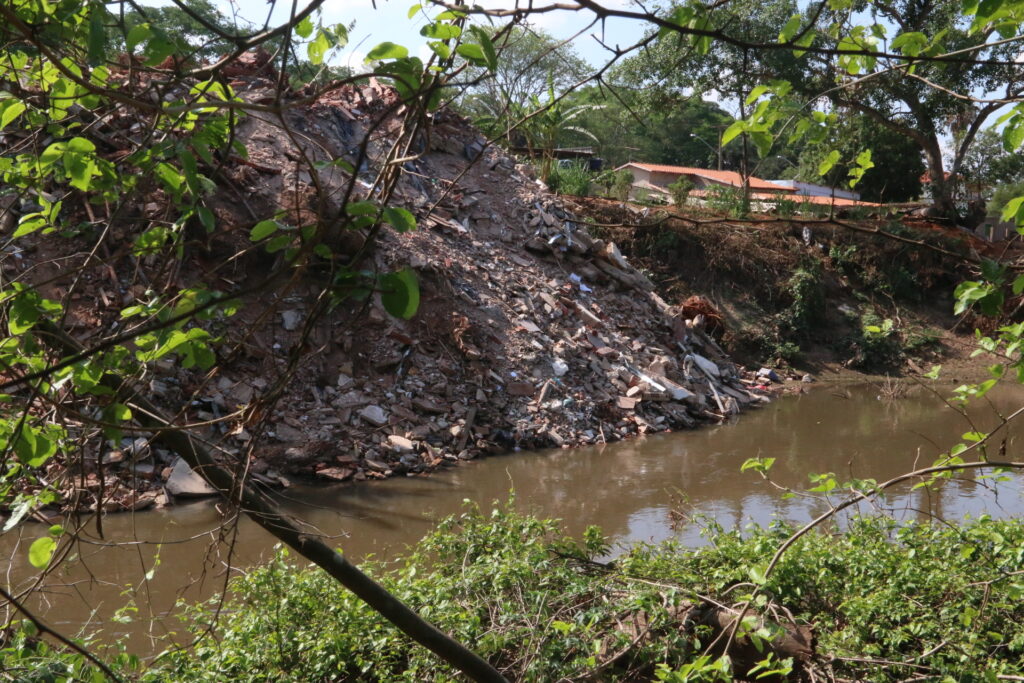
{"x":680,"y":190}
{"x":727,"y":200}
{"x":571,"y":178}
{"x":542,"y":609}
{"x":622,"y":183}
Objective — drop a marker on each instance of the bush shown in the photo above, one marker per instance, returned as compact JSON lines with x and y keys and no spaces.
{"x":726,"y":199}
{"x":541,"y":608}
{"x":572,"y":178}
{"x":680,"y":190}
{"x":622,"y":183}
{"x":807,"y":306}
{"x":876,"y":344}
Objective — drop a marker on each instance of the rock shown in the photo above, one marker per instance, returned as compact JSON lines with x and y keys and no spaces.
{"x":287,"y":433}
{"x":185,"y":483}
{"x":375,"y":415}
{"x":144,"y":470}
{"x":588,"y":316}
{"x":112,"y":457}
{"x":377,"y":465}
{"x":529,"y":326}
{"x":704,"y":364}
{"x":241,"y":393}
{"x":429,"y":406}
{"x":290,"y":319}
{"x":138,"y":449}
{"x":626,"y":403}
{"x":336,"y":473}
{"x":401,"y":444}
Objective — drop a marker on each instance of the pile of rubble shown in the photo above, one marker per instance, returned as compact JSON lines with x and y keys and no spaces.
{"x":531,"y":331}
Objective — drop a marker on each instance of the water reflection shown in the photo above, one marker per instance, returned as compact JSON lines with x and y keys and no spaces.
{"x":628,"y":489}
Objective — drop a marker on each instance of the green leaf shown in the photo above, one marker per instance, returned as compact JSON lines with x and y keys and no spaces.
{"x":804,"y":41}
{"x":1014,"y":210}
{"x":472,"y":52}
{"x":304,"y":28}
{"x":12,"y":109}
{"x":400,"y":219}
{"x":756,"y":92}
{"x":757,"y":575}
{"x":490,"y":54}
{"x":29,"y":223}
{"x":263,"y":229}
{"x":790,"y":29}
{"x":317,"y":48}
{"x":120,"y":412}
{"x":278,"y":243}
{"x":97,"y":34}
{"x":400,"y":293}
{"x":440,"y":49}
{"x":911,"y":43}
{"x":441,"y":31}
{"x":732,"y":131}
{"x":33,"y":447}
{"x":363,"y":208}
{"x":826,"y":165}
{"x":23,"y":313}
{"x":414,"y":9}
{"x":41,"y":551}
{"x":387,"y":50}
{"x":137,"y":34}
{"x":157,"y":50}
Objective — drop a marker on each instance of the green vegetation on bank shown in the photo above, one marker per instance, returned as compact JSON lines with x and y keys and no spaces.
{"x":886,"y":602}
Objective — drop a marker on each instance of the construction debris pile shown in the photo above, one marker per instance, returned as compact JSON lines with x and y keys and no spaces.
{"x":532,"y":332}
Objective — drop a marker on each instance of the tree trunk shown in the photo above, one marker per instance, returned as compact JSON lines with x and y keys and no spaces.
{"x":942,"y":188}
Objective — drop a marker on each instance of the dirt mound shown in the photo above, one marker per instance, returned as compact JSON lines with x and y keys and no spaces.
{"x":530,"y":331}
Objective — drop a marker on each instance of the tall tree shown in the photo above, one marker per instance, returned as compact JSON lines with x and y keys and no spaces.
{"x":530,"y":61}
{"x":898,"y":164}
{"x":930,"y":102}
{"x":635,"y":124}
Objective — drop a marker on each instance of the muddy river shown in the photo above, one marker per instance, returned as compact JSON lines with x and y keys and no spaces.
{"x":636,"y":491}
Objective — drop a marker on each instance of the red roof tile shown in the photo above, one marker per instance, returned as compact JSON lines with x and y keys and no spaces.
{"x":725,"y":177}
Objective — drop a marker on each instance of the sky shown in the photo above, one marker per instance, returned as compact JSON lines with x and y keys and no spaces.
{"x":389,"y":21}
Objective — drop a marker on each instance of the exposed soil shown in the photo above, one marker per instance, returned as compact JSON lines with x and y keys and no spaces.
{"x":849,"y":278}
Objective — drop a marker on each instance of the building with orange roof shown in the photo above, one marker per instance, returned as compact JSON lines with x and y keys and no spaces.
{"x":661,"y":176}
{"x":655,"y":179}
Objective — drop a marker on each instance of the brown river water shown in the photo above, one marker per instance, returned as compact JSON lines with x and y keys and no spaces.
{"x":633,"y":490}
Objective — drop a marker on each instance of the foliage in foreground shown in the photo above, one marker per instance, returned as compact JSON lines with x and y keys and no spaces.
{"x":887,"y":602}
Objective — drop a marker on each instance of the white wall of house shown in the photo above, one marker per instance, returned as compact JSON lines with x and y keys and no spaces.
{"x":814,"y":190}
